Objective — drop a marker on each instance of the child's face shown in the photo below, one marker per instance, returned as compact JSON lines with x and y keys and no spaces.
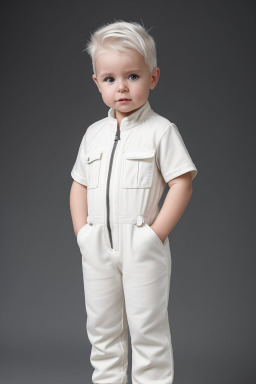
{"x":124,"y":80}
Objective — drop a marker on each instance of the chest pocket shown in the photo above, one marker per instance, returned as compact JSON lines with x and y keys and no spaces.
{"x":93,"y":163}
{"x":138,"y":167}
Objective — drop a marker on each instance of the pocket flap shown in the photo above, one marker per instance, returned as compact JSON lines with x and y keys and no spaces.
{"x":140,"y":154}
{"x":92,"y":156}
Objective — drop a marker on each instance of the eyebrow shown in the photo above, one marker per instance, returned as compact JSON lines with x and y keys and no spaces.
{"x":111,"y":74}
{"x":106,"y":74}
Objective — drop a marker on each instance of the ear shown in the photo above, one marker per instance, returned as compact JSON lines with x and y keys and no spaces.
{"x":96,"y":81}
{"x":154,"y":77}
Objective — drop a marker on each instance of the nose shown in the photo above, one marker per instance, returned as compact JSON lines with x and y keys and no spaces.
{"x":121,"y":86}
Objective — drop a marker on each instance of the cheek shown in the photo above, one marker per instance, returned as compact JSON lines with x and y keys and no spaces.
{"x":107,"y":93}
{"x":107,"y":97}
{"x":142,"y":91}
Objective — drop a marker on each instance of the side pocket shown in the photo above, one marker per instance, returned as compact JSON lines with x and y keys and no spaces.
{"x":138,"y":169}
{"x":155,"y":236}
{"x":81,"y":233}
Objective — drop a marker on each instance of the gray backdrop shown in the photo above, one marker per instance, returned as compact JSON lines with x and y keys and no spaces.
{"x":206,"y":53}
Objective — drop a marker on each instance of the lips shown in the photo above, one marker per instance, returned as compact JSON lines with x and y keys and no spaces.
{"x":124,"y":99}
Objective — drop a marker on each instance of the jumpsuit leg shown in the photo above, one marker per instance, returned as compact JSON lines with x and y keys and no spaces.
{"x":146,"y":282}
{"x":106,"y":315}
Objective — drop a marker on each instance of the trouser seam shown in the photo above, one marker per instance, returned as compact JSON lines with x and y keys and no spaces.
{"x":122,"y":346}
{"x":165,"y":322}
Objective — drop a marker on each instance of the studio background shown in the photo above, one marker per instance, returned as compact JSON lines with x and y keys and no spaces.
{"x":206,"y":54}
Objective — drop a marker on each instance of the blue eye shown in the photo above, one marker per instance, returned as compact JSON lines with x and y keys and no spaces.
{"x":133,"y":76}
{"x":109,"y":79}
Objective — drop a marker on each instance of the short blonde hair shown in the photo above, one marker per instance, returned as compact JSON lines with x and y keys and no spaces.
{"x":122,"y":36}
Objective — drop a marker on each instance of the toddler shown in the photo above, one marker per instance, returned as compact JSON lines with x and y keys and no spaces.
{"x":122,"y":167}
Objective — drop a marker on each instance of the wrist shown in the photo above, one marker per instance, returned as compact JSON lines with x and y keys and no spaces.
{"x":161,"y":234}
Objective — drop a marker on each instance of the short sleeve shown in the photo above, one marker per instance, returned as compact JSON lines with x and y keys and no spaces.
{"x":78,"y":172}
{"x":173,"y":157}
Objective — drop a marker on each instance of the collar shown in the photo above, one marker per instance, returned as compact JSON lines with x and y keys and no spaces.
{"x":131,"y":120}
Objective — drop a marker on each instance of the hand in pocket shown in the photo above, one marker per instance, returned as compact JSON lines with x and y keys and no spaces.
{"x":160,"y":238}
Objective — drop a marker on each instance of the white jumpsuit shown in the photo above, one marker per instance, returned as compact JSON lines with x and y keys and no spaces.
{"x":126,"y":267}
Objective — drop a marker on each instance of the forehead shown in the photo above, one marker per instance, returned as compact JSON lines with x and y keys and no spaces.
{"x":111,"y":59}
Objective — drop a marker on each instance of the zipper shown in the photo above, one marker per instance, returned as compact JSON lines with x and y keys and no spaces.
{"x":117,"y":137}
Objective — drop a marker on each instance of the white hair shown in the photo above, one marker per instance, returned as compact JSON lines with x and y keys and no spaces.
{"x":122,"y":36}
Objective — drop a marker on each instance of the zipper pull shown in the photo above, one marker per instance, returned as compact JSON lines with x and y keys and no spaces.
{"x":117,"y":136}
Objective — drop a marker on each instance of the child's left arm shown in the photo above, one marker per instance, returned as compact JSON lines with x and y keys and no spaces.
{"x":178,"y":171}
{"x":175,"y":203}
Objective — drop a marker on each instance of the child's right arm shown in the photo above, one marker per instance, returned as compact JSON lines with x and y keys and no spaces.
{"x":78,"y":205}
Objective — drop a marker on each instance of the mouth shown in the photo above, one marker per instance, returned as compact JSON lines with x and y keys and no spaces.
{"x":123,"y":100}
